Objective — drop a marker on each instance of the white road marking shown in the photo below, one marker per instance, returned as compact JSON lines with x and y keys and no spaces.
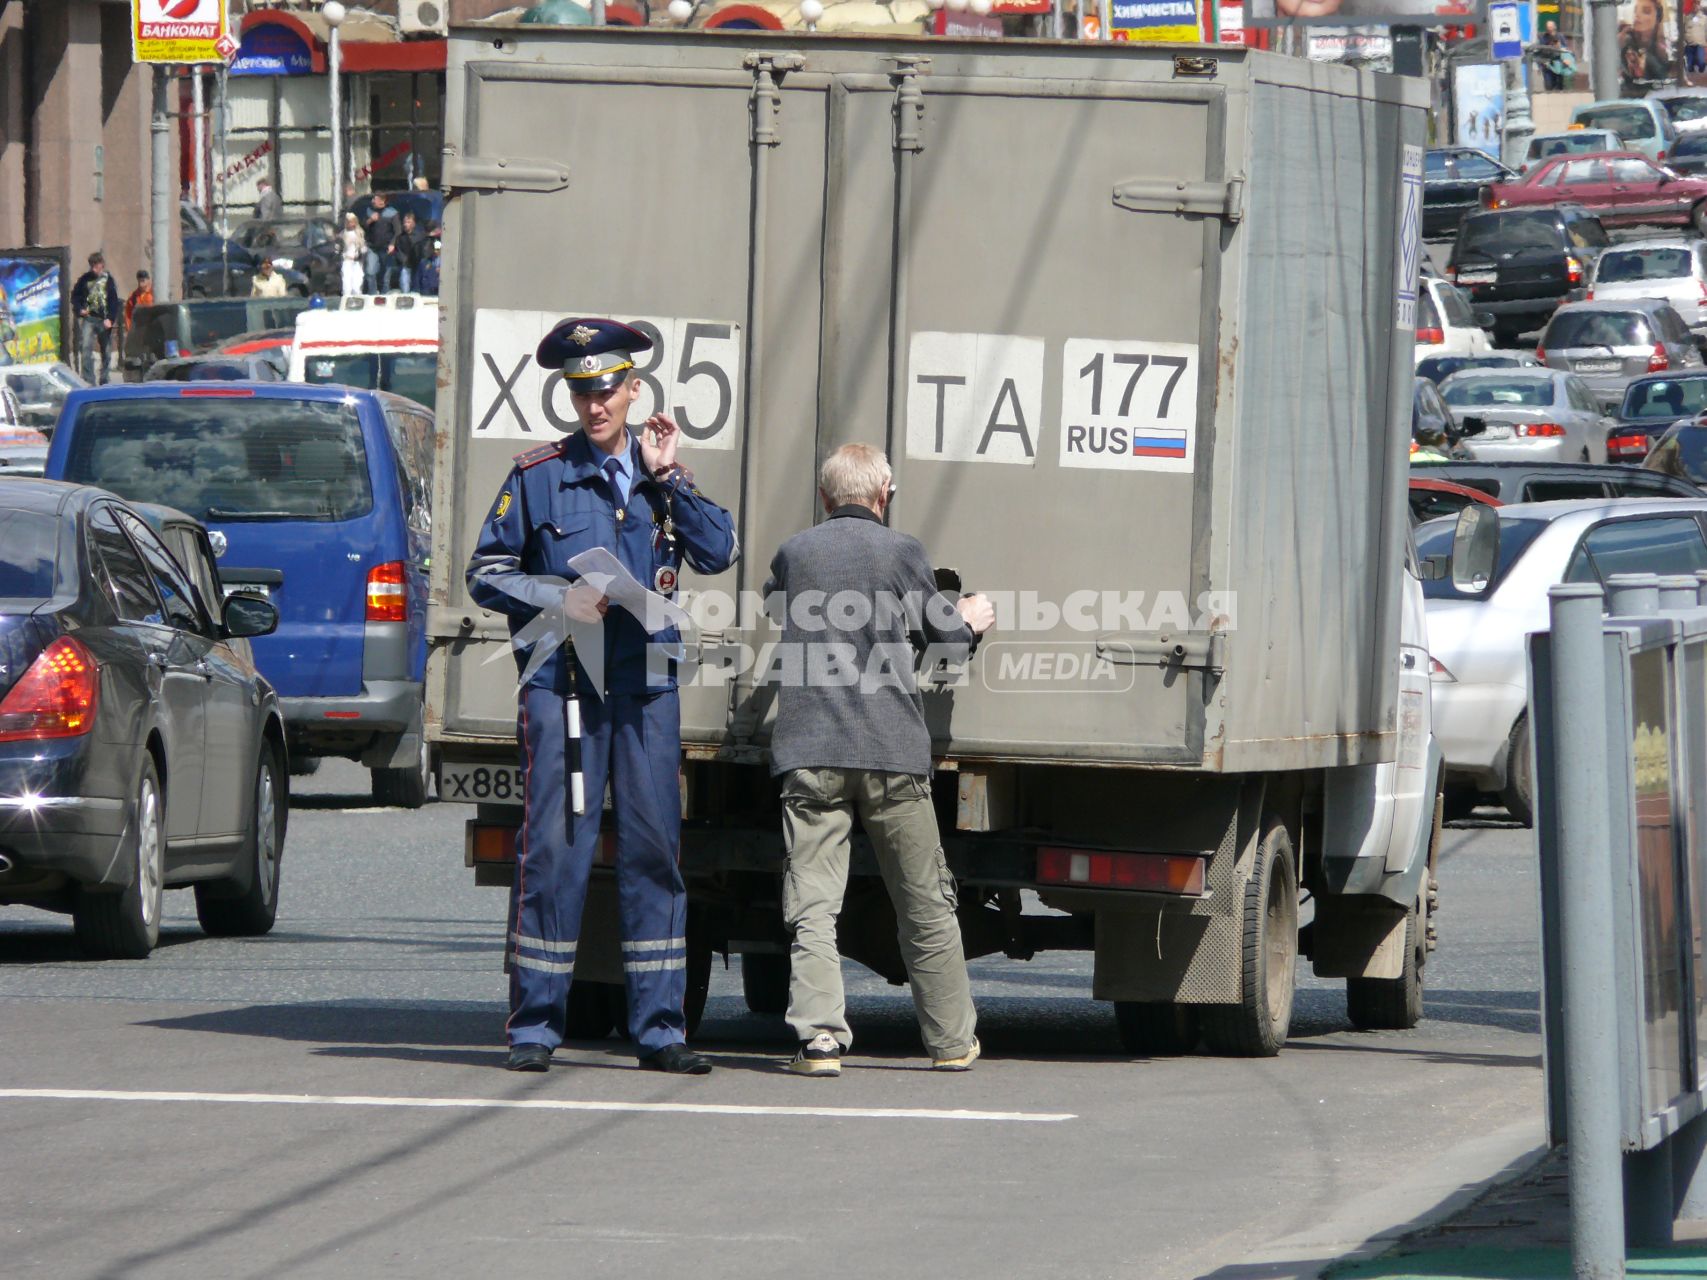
{"x":537,"y":1104}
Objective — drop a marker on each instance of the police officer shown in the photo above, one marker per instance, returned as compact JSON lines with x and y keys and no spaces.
{"x":619,"y":487}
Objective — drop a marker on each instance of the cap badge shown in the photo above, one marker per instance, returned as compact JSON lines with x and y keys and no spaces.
{"x":581,"y":334}
{"x":590,"y":364}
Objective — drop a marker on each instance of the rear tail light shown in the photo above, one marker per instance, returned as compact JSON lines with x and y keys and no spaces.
{"x":1550,"y":430}
{"x":1659,"y":362}
{"x":496,"y":842}
{"x":1541,"y":354}
{"x":387,"y":598}
{"x":1440,"y":673}
{"x":1627,"y":446}
{"x":1573,"y":269}
{"x":1431,"y":335}
{"x":1661,"y":156}
{"x":1589,"y":296}
{"x":1099,"y":869}
{"x":55,"y":698}
{"x":1452,"y":273}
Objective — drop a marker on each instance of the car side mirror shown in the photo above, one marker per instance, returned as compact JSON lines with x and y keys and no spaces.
{"x":246,"y":615}
{"x":1475,"y":548}
{"x":1472,"y":426}
{"x":1486,"y":320}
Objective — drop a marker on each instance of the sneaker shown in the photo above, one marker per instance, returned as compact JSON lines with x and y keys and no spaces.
{"x":819,"y":1056}
{"x":962,"y":1063}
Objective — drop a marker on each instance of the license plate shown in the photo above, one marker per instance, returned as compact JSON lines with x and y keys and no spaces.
{"x":1599,"y":366}
{"x":1477,"y":277}
{"x":480,"y":783}
{"x":248,"y":588}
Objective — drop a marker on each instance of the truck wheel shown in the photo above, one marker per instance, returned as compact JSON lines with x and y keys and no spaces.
{"x":764,"y":981}
{"x":1519,"y":789}
{"x":594,"y":1010}
{"x":1699,"y":218}
{"x":1392,"y":1004}
{"x":405,"y":788}
{"x":1156,"y":1030}
{"x":1256,"y":1026}
{"x":126,"y":926}
{"x":227,"y":911}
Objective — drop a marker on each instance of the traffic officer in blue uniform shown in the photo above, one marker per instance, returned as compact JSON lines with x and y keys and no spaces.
{"x":619,"y":487}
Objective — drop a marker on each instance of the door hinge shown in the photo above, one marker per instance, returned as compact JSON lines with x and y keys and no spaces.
{"x":1196,"y":650}
{"x":480,"y":173}
{"x":1224,"y":200}
{"x":766,"y":105}
{"x":466,"y":624}
{"x":909,"y":101}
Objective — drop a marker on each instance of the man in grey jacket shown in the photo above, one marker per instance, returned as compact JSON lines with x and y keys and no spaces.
{"x":858,"y":601}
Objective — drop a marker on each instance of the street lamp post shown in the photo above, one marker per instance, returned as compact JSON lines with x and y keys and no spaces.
{"x":334,"y":13}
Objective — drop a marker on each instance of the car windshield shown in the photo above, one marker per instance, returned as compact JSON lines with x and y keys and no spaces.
{"x":1567,"y":144}
{"x":1681,"y":452}
{"x":1513,"y":392}
{"x":29,"y":545}
{"x":1665,"y":398}
{"x":1597,"y":329}
{"x":1626,"y":122}
{"x":408,"y":373}
{"x":212,"y":322}
{"x":1618,"y":265}
{"x":1435,"y":539}
{"x":1694,"y":107}
{"x":1484,"y":233}
{"x":226,"y":457}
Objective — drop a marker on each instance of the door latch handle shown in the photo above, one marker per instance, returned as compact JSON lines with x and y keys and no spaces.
{"x":204,"y":669}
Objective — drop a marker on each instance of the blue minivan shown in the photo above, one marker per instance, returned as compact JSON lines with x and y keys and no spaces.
{"x":318,"y":497}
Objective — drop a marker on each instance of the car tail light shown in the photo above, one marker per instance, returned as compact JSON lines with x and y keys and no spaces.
{"x":55,"y":698}
{"x":1627,"y":446}
{"x":1440,"y":673}
{"x":387,"y":598}
{"x":224,"y":393}
{"x":1100,"y":869}
{"x":1431,"y":335}
{"x":1573,"y":269}
{"x":1541,"y":354}
{"x":1661,"y":156}
{"x":1589,"y":296}
{"x":488,"y":842}
{"x":1659,"y":362}
{"x":1551,"y":430}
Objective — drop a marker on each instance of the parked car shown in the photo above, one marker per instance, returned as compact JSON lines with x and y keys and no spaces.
{"x":1681,"y":452}
{"x":1446,"y":326}
{"x":1643,"y":124}
{"x":1649,"y":407}
{"x":322,"y":496}
{"x":41,"y":389}
{"x":1687,"y":107}
{"x":1621,"y":188}
{"x":1520,"y":264}
{"x":1575,"y":142}
{"x":307,"y":246}
{"x":1689,"y":155}
{"x":1476,"y":638}
{"x":1673,"y":271}
{"x":139,"y":751}
{"x":1513,"y":482}
{"x":1432,"y":498}
{"x":23,"y":452}
{"x":1609,"y":343}
{"x":1453,"y":181}
{"x":231,"y":273}
{"x":191,"y":328}
{"x":214,"y":367}
{"x":1539,"y":415}
{"x":1438,"y":369}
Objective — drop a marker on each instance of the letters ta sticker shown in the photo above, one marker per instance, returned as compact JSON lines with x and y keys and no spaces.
{"x":664,"y":581}
{"x":503,"y":505}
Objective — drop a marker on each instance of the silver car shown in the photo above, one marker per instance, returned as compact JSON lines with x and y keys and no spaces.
{"x":1578,"y":142}
{"x":1476,"y":638}
{"x":1673,"y":271}
{"x":1526,"y":415}
{"x":1687,"y":107}
{"x":1608,"y":343}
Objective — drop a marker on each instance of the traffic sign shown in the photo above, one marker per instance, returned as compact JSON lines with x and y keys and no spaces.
{"x":1505,"y":30}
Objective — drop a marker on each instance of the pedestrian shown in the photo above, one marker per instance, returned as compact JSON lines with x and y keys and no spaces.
{"x":267,"y":283}
{"x":858,"y":746}
{"x":352,"y":255}
{"x":1548,"y":55}
{"x":407,"y":250}
{"x":380,"y":229}
{"x":141,"y":296}
{"x":268,"y":206}
{"x":95,"y":303}
{"x":1695,"y":41}
{"x":349,"y":205}
{"x":427,"y":281}
{"x":619,"y":487}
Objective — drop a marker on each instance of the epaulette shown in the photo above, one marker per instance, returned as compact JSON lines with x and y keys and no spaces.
{"x":533,"y":457}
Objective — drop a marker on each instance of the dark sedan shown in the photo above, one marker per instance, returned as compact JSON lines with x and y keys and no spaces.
{"x":1453,"y":181}
{"x":140,"y":750}
{"x":307,"y":246}
{"x":1649,"y":407}
{"x":230,"y":274}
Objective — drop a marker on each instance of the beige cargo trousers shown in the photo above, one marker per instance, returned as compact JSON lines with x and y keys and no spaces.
{"x":818,"y":808}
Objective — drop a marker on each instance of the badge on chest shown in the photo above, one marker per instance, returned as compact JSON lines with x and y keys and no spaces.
{"x":664,"y":580}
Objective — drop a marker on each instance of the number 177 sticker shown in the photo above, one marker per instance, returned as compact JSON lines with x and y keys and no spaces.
{"x":1128,"y":406}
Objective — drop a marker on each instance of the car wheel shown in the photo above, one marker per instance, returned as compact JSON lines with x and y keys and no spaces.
{"x":1698,"y":217}
{"x":247,"y":908}
{"x":1257,"y":1026}
{"x":1392,"y":1004}
{"x":405,"y":788}
{"x":1518,"y":795}
{"x":126,"y":926}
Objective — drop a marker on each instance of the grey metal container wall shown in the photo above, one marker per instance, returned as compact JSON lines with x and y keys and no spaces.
{"x":828,"y":232}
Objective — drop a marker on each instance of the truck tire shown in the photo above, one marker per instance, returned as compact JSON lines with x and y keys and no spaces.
{"x":1156,"y":1030}
{"x":1257,"y":1025}
{"x":248,"y":909}
{"x":405,"y":788}
{"x":1392,"y":1004}
{"x":1518,"y":796}
{"x":594,"y":1010}
{"x":126,"y":926}
{"x":764,"y":982}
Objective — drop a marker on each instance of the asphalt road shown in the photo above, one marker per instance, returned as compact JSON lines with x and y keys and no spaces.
{"x":326,"y":1101}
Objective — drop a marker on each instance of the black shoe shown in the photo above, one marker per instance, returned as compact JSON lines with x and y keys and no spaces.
{"x":529,"y":1057}
{"x":678,"y":1060}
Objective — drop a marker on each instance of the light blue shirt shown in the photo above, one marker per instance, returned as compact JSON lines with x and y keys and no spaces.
{"x":621,"y":477}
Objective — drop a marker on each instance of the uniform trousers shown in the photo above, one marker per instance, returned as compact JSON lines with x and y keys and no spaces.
{"x":634,"y":743}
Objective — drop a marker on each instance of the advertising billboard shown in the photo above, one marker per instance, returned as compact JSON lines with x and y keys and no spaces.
{"x":34,"y":294}
{"x":1478,"y":105}
{"x":1363,"y":13}
{"x":178,"y":30}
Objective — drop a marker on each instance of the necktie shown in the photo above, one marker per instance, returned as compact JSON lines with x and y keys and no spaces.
{"x":613,"y":473}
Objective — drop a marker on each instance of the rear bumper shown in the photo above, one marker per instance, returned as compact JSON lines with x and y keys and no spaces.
{"x":1550,"y":450}
{"x":382,"y":707}
{"x":49,"y":830}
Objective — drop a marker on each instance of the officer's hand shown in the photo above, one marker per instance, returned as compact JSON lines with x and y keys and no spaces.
{"x":583,"y":602}
{"x":977,"y":612}
{"x":658,"y":441}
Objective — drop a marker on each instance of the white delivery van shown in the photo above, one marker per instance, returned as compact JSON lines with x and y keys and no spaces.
{"x":383,"y":342}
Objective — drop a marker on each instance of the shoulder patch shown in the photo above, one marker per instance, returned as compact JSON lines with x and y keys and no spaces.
{"x":504,"y":505}
{"x":533,"y":457}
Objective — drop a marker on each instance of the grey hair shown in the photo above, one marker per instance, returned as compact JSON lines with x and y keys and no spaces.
{"x":855,"y":473}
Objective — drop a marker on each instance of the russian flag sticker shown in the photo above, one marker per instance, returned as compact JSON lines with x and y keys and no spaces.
{"x":1158,"y":444}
